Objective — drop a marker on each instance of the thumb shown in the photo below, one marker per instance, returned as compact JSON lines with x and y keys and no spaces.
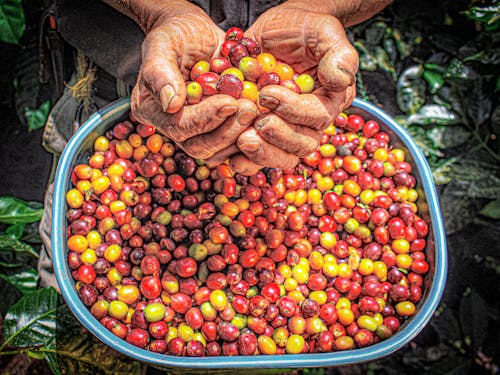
{"x":339,"y":64}
{"x":160,"y":71}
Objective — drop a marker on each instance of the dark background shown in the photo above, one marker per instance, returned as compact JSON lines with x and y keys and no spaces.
{"x":462,"y":338}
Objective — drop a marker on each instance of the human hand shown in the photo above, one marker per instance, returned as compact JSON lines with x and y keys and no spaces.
{"x":179,"y":34}
{"x":312,"y":43}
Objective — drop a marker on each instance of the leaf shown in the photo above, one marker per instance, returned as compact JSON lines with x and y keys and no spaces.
{"x":36,"y":118}
{"x":9,"y":243}
{"x":10,"y":295}
{"x":411,"y":90}
{"x":440,"y":171}
{"x":487,"y":15}
{"x":75,"y":351}
{"x":367,"y":61}
{"x":25,"y":281}
{"x":478,"y":102}
{"x":390,"y":48}
{"x":457,"y":70}
{"x":11,"y":21}
{"x":375,"y":32}
{"x":446,"y":325}
{"x":14,"y":210}
{"x":434,"y":80}
{"x":490,"y":56}
{"x":445,"y":137}
{"x":404,"y":48}
{"x":419,"y":135}
{"x":433,"y":114}
{"x":473,"y":313}
{"x":492,"y":209}
{"x":31,"y":321}
{"x":16,"y":230}
{"x":384,"y":62}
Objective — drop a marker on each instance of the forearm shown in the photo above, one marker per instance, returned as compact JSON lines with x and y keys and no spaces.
{"x":147,"y":13}
{"x":349,"y":12}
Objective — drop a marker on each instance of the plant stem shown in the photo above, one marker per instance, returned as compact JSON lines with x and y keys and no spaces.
{"x":14,"y":352}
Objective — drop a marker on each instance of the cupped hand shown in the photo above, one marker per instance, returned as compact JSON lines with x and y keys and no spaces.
{"x":311,"y":43}
{"x":171,"y":47}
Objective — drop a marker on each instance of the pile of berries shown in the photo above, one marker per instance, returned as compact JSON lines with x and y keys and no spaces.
{"x":177,"y":258}
{"x":242,"y":71}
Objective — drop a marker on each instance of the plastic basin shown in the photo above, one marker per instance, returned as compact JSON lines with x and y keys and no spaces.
{"x":77,"y":150}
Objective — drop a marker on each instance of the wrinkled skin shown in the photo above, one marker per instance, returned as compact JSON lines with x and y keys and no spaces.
{"x":174,"y":42}
{"x":219,"y":128}
{"x":311,"y":43}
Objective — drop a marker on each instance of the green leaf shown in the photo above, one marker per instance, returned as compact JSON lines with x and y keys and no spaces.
{"x":411,"y":90}
{"x":419,"y":135}
{"x":10,"y":295}
{"x":433,"y":114}
{"x":16,"y":230}
{"x":445,"y":137}
{"x":36,"y":118}
{"x":14,"y":210}
{"x":31,"y":322}
{"x":457,"y":70}
{"x":375,"y":32}
{"x":35,"y":354}
{"x":11,"y":21}
{"x":440,"y":171}
{"x":384,"y":62}
{"x":9,"y":243}
{"x":404,"y":48}
{"x":75,"y":351}
{"x":487,"y":15}
{"x":434,"y":80}
{"x":492,"y":209}
{"x":367,"y":60}
{"x":390,"y":48}
{"x":25,"y":281}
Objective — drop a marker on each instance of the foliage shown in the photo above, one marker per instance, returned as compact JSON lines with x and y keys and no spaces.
{"x":448,"y":101}
{"x":37,"y":322}
{"x":14,"y":211}
{"x":36,"y":118}
{"x":444,"y":76}
{"x":447,"y":98}
{"x":11,"y":21}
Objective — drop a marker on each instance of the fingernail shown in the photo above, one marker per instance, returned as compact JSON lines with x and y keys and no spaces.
{"x":259,"y":124}
{"x":167,"y":93}
{"x":269,"y":102}
{"x":246,"y":117}
{"x":249,"y":146}
{"x":351,"y":77}
{"x":227,"y":111}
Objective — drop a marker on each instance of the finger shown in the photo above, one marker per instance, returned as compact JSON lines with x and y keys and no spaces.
{"x":189,"y":121}
{"x":294,"y":139}
{"x":339,"y":64}
{"x":350,"y":94}
{"x":144,"y":106}
{"x":314,"y":110}
{"x":263,"y":153}
{"x":205,"y":145}
{"x":222,"y":156}
{"x":160,"y":71}
{"x":239,"y":163}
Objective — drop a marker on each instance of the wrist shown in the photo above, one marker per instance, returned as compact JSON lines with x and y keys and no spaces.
{"x":150,"y":14}
{"x":349,"y":12}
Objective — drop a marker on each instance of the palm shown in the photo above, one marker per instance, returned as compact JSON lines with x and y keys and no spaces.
{"x":291,"y":36}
